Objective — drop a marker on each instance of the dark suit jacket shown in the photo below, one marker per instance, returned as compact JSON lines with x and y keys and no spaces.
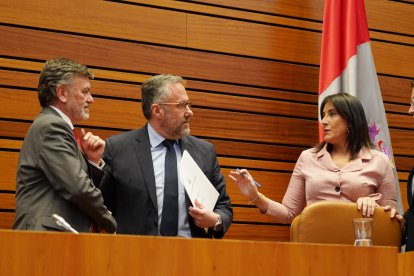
{"x":53,"y":177}
{"x":128,"y":185}
{"x":408,"y":235}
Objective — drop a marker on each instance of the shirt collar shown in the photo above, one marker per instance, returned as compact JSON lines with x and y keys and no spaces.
{"x":63,"y":115}
{"x":324,"y":158}
{"x":155,"y":138}
{"x":322,"y":152}
{"x":364,"y":153}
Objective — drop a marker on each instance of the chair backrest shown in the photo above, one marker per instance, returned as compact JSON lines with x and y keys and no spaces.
{"x":331,"y":222}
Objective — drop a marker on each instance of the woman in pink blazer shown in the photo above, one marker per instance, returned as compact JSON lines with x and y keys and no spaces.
{"x":344,"y":167}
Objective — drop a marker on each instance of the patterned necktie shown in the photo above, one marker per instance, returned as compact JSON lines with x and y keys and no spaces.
{"x":169,"y":217}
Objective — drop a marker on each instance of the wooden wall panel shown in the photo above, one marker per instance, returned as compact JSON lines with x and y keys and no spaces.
{"x":108,"y":19}
{"x":122,"y":114}
{"x":397,"y":16}
{"x":270,"y":42}
{"x":252,"y":71}
{"x":6,"y":220}
{"x":8,"y":161}
{"x":129,"y":91}
{"x":245,"y":38}
{"x":295,"y":14}
{"x":390,"y":86}
{"x":392,"y":59}
{"x":129,"y":56}
{"x":312,"y":9}
{"x":7,"y":201}
{"x":196,"y":7}
{"x":258,"y":232}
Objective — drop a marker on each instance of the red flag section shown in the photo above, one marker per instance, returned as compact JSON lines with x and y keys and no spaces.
{"x":344,"y":28}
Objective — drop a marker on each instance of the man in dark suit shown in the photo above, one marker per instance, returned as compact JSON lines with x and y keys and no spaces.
{"x":409,"y":215}
{"x":136,"y":178}
{"x":53,"y":174}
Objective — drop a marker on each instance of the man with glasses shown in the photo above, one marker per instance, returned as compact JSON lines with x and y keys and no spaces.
{"x":142,"y":184}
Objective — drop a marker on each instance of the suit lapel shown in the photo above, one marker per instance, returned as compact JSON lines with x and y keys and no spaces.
{"x":143,"y":153}
{"x":82,"y":157}
{"x":185,"y":144}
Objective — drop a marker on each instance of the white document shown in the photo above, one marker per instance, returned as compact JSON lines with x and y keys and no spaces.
{"x":197,"y":184}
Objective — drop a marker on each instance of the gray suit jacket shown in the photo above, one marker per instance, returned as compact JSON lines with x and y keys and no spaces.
{"x":54,"y":177}
{"x":128,"y":185}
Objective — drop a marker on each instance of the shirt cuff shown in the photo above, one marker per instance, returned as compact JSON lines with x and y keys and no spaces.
{"x":100,"y":166}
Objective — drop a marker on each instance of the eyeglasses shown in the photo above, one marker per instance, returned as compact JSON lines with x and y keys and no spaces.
{"x":180,"y":105}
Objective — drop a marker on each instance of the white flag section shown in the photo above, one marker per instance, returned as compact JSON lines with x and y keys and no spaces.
{"x":347,"y":65}
{"x":197,"y":184}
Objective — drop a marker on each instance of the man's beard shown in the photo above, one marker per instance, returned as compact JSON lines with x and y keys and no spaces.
{"x":180,"y":131}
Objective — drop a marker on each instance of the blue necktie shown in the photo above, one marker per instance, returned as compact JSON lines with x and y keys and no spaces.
{"x":169,"y":217}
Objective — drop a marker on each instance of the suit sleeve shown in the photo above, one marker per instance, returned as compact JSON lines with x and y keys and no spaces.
{"x":107,"y":184}
{"x":223,"y":206}
{"x":60,"y":160}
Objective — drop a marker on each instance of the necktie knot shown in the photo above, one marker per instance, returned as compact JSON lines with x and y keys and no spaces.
{"x":168,"y":143}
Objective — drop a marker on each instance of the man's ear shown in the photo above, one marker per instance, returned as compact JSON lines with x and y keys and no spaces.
{"x":62,"y":93}
{"x":157,"y":111}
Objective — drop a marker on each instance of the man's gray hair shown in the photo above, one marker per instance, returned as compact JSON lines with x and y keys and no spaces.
{"x":155,"y":89}
{"x":58,"y":71}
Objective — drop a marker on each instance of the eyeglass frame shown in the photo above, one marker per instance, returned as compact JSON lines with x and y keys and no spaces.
{"x":181,"y":105}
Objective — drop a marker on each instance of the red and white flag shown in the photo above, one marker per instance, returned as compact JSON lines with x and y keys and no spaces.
{"x":347,"y":65}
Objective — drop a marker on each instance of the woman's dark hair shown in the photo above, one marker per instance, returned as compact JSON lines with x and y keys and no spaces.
{"x":350,"y":108}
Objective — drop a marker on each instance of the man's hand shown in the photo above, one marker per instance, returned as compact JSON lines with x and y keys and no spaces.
{"x":92,"y":146}
{"x":202,"y":217}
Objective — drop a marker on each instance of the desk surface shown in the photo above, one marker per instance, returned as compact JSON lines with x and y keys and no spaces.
{"x":47,"y":253}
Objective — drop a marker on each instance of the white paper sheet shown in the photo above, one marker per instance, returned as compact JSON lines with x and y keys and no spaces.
{"x":197,"y":184}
